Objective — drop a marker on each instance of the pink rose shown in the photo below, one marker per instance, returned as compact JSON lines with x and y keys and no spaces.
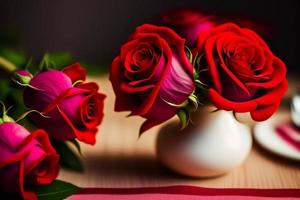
{"x":26,"y":159}
{"x":74,"y":111}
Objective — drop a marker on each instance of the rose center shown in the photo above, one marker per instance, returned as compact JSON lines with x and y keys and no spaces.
{"x":241,"y":70}
{"x":91,"y":108}
{"x":41,"y":171}
{"x":142,"y":58}
{"x":241,"y":64}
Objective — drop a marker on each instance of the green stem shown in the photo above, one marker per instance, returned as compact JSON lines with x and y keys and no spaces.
{"x":5,"y":117}
{"x":7,"y":65}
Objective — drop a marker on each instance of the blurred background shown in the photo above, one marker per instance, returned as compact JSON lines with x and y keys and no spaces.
{"x":94,"y":30}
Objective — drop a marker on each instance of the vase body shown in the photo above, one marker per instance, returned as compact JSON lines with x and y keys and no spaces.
{"x":214,"y":144}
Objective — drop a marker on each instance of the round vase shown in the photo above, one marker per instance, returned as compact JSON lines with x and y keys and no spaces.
{"x":213,"y":144}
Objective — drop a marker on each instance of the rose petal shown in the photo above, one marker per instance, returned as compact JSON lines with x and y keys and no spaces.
{"x":46,"y":91}
{"x":264,"y":112}
{"x":50,"y":161}
{"x":177,"y":84}
{"x":75,"y":72}
{"x":209,"y":47}
{"x":87,"y":135}
{"x":55,"y":126}
{"x":123,"y":101}
{"x":225,"y":104}
{"x":278,"y":75}
{"x":272,"y":95}
{"x":88,"y":120}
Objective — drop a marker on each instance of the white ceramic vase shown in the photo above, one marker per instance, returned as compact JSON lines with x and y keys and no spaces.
{"x":214,"y":144}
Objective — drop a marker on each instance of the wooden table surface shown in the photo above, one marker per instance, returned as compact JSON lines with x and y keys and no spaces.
{"x":120,"y":159}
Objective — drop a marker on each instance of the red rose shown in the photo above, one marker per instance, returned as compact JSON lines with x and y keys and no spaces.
{"x":74,"y":111}
{"x":152,"y":74}
{"x":242,"y":74}
{"x":26,"y":159}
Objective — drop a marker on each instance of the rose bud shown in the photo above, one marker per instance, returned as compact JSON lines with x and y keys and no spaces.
{"x":26,"y":160}
{"x":22,"y":77}
{"x":241,"y":72}
{"x":151,"y":75}
{"x":73,"y":111}
{"x":188,"y":24}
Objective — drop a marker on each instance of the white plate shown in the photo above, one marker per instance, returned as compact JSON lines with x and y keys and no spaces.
{"x":265,"y":135}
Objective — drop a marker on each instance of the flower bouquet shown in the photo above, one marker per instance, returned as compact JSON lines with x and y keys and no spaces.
{"x":192,"y":66}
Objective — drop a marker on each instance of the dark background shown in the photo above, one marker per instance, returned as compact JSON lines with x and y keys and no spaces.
{"x":93,"y":30}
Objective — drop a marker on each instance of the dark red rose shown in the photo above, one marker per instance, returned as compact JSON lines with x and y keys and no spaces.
{"x":152,"y":74}
{"x":188,"y":23}
{"x":75,"y":111}
{"x":242,"y":74}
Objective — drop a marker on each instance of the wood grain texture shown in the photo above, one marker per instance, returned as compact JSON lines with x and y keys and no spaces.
{"x":121,"y":159}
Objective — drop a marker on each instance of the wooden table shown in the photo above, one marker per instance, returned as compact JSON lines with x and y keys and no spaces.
{"x":120,"y":159}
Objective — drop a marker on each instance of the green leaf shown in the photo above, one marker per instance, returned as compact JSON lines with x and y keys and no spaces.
{"x":56,"y":191}
{"x":188,"y":54}
{"x":193,"y":103}
{"x":200,"y":85}
{"x":61,"y":59}
{"x":76,"y":144}
{"x":16,"y":57}
{"x":184,"y":117}
{"x":95,"y":69}
{"x":68,"y":158}
{"x":198,"y":61}
{"x":235,"y":116}
{"x":6,"y":66}
{"x":29,"y":63}
{"x":196,"y":75}
{"x":4,"y":89}
{"x":15,"y":99}
{"x":215,"y":110}
{"x":193,"y":98}
{"x":46,"y":63}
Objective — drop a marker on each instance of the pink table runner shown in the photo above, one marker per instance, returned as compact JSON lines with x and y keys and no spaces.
{"x":185,"y":193}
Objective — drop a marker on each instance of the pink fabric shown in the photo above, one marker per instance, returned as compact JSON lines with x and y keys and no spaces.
{"x":168,"y":196}
{"x":181,"y":192}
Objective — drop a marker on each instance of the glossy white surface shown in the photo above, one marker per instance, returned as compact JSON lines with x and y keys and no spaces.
{"x":265,"y":135}
{"x":215,"y":146}
{"x":295,"y":109}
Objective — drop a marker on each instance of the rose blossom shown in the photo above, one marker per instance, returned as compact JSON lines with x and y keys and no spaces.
{"x":242,"y":73}
{"x":151,"y":75}
{"x":73,"y":111}
{"x":26,"y":159}
{"x":188,"y":24}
